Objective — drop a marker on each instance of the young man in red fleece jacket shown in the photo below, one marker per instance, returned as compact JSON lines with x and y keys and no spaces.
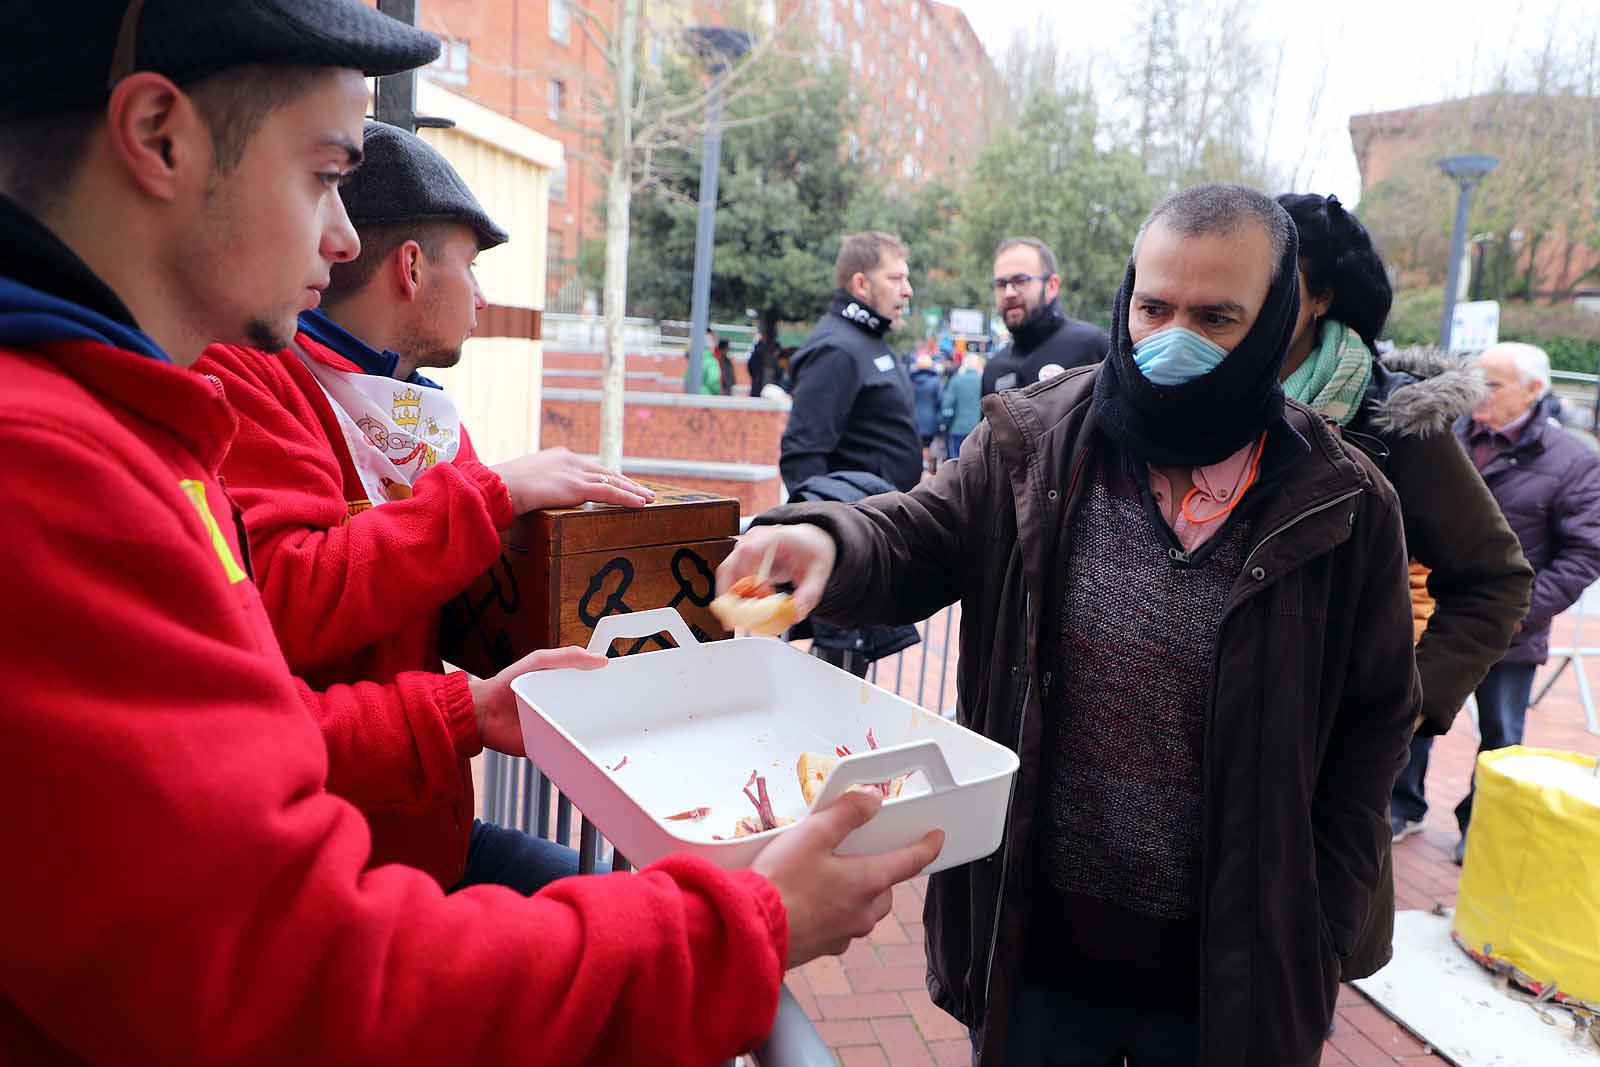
{"x":367,"y":508}
{"x":180,"y":886}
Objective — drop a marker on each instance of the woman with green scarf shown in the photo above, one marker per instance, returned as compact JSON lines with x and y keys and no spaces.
{"x":1400,"y":412}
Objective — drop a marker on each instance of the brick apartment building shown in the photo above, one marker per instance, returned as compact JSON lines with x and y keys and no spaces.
{"x":924,"y":83}
{"x":923,"y":88}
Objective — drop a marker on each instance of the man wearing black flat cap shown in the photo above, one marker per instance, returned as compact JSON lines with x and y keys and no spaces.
{"x":368,"y":510}
{"x":1185,"y":606}
{"x":181,"y":886}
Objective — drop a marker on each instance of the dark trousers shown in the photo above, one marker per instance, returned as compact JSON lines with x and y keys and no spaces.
{"x":952,"y":444}
{"x":1097,"y":1024}
{"x":500,"y":856}
{"x":1502,"y":712}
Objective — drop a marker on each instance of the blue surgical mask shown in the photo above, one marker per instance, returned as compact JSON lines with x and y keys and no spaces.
{"x":1177,"y":355}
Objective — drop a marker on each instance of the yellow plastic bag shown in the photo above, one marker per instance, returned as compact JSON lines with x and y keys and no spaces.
{"x":1529,"y":900}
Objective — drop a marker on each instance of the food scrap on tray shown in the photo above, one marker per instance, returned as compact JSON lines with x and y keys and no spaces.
{"x":813,"y":768}
{"x":754,"y":606}
{"x":692,"y":815}
{"x":764,"y":819}
{"x":619,"y":766}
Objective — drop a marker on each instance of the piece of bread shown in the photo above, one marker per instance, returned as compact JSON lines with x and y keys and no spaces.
{"x":812,"y":768}
{"x":767,"y":616}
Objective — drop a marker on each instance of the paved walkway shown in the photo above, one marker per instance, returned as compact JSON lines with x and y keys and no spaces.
{"x":871,"y":1005}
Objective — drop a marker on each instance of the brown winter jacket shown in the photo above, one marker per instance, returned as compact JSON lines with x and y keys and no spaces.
{"x":1477,"y":579}
{"x":1313,"y":702}
{"x":1477,"y":582}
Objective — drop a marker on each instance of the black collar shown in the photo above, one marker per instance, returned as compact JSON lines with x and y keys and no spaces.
{"x":858,"y":314}
{"x":32,"y":254}
{"x":1037,"y":327}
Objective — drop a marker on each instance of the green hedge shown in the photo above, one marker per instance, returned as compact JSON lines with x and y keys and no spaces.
{"x":1570,"y":338}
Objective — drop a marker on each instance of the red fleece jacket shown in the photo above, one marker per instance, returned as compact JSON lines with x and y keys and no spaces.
{"x":354,"y":592}
{"x":181,"y":888}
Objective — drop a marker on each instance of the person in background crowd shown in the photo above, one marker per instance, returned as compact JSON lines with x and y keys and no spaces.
{"x":181,"y":887}
{"x":709,"y":381}
{"x":1044,"y":341}
{"x":764,"y":353}
{"x":960,"y":411}
{"x":1400,"y":412}
{"x":852,"y":398}
{"x":368,"y":510}
{"x":926,"y":390}
{"x":1548,"y":486}
{"x":1184,"y":605}
{"x":725,"y":366}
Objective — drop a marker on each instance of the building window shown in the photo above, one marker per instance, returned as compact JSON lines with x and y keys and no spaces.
{"x":908,"y":166}
{"x":919,"y":135}
{"x":561,"y":20}
{"x":556,"y":103}
{"x":558,"y":182}
{"x":855,"y":56}
{"x":861,"y":13}
{"x":451,"y":68}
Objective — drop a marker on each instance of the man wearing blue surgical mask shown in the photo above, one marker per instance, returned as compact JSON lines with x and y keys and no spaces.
{"x":1185,"y":607}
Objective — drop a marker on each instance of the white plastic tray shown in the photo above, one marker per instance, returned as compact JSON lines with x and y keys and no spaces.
{"x":694,"y":721}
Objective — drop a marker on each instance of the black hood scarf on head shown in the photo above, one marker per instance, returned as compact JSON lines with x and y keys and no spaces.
{"x":1037,"y":326}
{"x":1206,"y":420}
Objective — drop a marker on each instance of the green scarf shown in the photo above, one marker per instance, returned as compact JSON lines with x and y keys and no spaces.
{"x":1334,"y":378}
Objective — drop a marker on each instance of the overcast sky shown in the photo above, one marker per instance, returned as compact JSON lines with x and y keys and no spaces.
{"x":1378,"y":55}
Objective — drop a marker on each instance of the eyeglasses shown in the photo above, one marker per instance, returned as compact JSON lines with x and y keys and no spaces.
{"x":1017,"y":281}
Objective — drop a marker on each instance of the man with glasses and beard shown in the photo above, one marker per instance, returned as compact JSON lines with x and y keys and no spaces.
{"x":1044,"y":341}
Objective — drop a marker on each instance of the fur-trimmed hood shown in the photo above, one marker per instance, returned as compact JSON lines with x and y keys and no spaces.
{"x":1424,"y":391}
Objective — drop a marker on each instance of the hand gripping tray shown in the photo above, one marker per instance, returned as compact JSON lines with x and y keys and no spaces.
{"x":658,"y":733}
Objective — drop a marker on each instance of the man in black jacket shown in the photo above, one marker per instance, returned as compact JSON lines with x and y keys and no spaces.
{"x":1044,"y":342}
{"x":852,"y":399}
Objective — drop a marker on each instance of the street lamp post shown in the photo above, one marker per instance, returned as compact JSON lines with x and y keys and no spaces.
{"x":717,"y":47}
{"x":1467,"y":171}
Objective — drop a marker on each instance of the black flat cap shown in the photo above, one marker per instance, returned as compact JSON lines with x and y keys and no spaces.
{"x":403,"y":178}
{"x":63,"y":56}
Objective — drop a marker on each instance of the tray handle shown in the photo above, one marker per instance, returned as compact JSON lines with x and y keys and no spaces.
{"x":883,"y":764}
{"x":641,"y":624}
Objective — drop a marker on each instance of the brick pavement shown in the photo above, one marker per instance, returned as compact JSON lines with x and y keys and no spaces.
{"x":872,"y":1009}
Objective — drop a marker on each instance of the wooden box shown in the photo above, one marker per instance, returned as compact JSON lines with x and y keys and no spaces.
{"x":561,"y":572}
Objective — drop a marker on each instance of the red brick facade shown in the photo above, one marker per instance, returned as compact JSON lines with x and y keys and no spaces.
{"x":663,"y":429}
{"x":924,"y":85}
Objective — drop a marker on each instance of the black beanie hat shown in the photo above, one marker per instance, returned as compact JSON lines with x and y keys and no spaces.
{"x":1206,"y":420}
{"x":66,"y":56}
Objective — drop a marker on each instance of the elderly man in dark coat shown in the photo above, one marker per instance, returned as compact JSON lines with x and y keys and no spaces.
{"x":1548,"y":485}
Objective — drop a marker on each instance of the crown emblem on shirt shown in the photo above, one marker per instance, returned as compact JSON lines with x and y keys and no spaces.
{"x":407,"y":409}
